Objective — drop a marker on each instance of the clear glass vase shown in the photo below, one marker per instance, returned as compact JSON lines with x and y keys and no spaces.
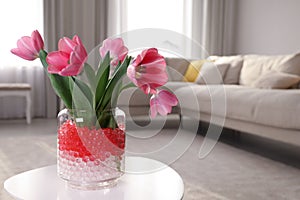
{"x":90,"y":152}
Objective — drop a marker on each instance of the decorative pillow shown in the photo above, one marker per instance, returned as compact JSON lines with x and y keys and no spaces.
{"x":193,"y":70}
{"x":276,"y":80}
{"x":256,"y":65}
{"x":212,"y":73}
{"x":176,"y":67}
{"x":235,"y":62}
{"x":292,"y":65}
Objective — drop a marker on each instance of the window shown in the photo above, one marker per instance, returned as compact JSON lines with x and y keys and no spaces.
{"x":166,"y":14}
{"x":157,"y":14}
{"x":18,"y":18}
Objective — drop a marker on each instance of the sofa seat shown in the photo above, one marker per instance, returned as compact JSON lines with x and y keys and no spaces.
{"x":276,"y":108}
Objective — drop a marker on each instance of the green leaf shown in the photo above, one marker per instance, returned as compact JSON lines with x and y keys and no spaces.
{"x":61,"y":87}
{"x":115,"y":94}
{"x":84,"y":88}
{"x":102,"y":77}
{"x":59,"y":83}
{"x":91,"y":76}
{"x":82,"y":108}
{"x":80,"y":100}
{"x":103,"y":66}
{"x":106,"y":119}
{"x":120,"y":72}
{"x":43,"y":54}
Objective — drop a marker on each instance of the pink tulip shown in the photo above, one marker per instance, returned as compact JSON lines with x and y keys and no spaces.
{"x":162,"y":103}
{"x":69,"y":59}
{"x":148,"y":71}
{"x":116,"y":49}
{"x":29,"y":47}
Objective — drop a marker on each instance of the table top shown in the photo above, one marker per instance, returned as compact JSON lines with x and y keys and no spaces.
{"x":145,"y":179}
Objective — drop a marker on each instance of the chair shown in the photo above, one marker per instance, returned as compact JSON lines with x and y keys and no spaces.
{"x":18,"y":89}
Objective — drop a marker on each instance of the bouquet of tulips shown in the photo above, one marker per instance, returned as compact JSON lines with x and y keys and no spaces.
{"x":103,"y":86}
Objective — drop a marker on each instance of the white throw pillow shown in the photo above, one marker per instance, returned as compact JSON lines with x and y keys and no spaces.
{"x":276,"y":80}
{"x":256,"y":65}
{"x":232,"y":75}
{"x":292,"y":65}
{"x":212,"y":73}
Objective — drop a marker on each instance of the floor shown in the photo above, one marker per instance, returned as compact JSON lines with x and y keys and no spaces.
{"x":244,"y":167}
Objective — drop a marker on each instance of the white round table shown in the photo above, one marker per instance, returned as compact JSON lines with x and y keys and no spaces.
{"x":140,"y":181}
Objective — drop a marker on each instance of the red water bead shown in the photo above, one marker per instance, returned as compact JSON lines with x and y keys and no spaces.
{"x":102,"y":143}
{"x":69,"y":140}
{"x":115,"y":136}
{"x":92,"y":143}
{"x":116,"y":143}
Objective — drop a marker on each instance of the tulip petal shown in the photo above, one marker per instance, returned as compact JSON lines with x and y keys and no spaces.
{"x":162,"y":103}
{"x":29,"y":47}
{"x":156,"y":66}
{"x":122,"y":53}
{"x":54,"y":69}
{"x":167,"y":97}
{"x":57,"y":60}
{"x":153,"y":108}
{"x":148,"y":71}
{"x":25,"y":45}
{"x":153,"y":78}
{"x":23,"y":55}
{"x":79,"y":55}
{"x":151,"y":55}
{"x":66,"y":45}
{"x":116,"y":49}
{"x":71,"y":70}
{"x":77,"y":40}
{"x":137,"y":61}
{"x":70,"y":59}
{"x":163,"y":109}
{"x":37,"y":41}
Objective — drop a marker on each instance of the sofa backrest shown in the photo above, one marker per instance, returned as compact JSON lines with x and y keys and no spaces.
{"x":243,"y":70}
{"x":256,"y":65}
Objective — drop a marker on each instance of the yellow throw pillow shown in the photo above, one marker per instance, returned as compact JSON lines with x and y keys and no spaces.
{"x":193,"y":70}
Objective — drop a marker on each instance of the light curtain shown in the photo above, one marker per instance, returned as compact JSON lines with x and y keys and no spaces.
{"x":15,"y":107}
{"x":211,"y":24}
{"x":14,"y":69}
{"x":116,"y":17}
{"x":87,"y":19}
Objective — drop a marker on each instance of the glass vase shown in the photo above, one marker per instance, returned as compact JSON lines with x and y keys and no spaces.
{"x":90,"y":152}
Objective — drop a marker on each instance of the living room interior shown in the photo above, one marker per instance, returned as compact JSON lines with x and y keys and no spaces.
{"x":234,"y":66}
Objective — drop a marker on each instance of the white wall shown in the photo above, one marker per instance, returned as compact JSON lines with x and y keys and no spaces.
{"x":267,"y":27}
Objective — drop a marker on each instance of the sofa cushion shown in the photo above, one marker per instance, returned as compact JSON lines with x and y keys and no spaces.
{"x":277,"y":108}
{"x":235,"y":65}
{"x":193,"y":70}
{"x":256,"y":65}
{"x":199,"y":98}
{"x":276,"y":80}
{"x":176,"y":68}
{"x":292,"y":65}
{"x":212,"y":73}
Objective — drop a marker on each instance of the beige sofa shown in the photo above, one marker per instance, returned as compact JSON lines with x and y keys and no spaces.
{"x":251,"y":93}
